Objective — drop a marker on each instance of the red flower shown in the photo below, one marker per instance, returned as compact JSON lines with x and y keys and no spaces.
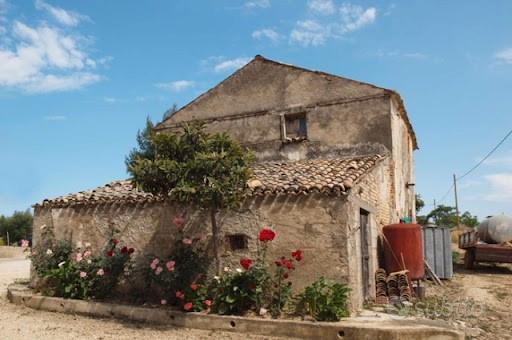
{"x":278,"y":263}
{"x":287,"y":264}
{"x":297,"y":255}
{"x":245,"y":263}
{"x":285,"y":275}
{"x":187,"y":306}
{"x":124,"y":250}
{"x":110,"y":253}
{"x":131,"y":250}
{"x":208,"y":303}
{"x":114,"y":241}
{"x":194,"y":286}
{"x":267,"y":235}
{"x":180,"y":295}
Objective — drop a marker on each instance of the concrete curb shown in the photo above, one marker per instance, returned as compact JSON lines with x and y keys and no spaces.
{"x":346,"y":329}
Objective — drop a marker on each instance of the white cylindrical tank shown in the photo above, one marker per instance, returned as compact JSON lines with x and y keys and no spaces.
{"x":496,"y":229}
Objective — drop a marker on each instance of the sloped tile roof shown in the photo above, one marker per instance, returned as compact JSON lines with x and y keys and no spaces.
{"x":329,"y":176}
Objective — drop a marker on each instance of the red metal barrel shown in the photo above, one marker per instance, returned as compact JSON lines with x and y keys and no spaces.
{"x":403,"y":249}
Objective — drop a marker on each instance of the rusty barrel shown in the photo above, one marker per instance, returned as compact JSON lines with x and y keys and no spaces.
{"x":403,"y":249}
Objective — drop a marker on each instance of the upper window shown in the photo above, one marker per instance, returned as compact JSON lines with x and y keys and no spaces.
{"x":295,"y":127}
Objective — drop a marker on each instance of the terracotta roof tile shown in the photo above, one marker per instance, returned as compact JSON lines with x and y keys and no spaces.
{"x":328,"y":176}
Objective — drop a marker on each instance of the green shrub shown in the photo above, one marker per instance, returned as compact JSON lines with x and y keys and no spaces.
{"x":242,"y":291}
{"x":456,"y":257}
{"x":324,"y":300}
{"x":78,"y":273}
{"x":187,"y":264}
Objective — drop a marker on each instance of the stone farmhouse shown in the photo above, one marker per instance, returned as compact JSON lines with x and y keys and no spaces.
{"x":335,"y":164}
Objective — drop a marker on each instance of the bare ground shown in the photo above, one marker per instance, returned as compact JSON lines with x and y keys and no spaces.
{"x":18,"y":322}
{"x":478,"y":301}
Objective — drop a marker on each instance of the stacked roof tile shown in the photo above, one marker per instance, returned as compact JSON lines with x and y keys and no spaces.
{"x":328,"y":176}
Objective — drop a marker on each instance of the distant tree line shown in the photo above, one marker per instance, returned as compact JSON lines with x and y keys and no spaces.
{"x":16,"y":227}
{"x":444,"y":216}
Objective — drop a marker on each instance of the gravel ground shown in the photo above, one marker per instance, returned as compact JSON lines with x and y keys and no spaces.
{"x":18,"y":322}
{"x":480,"y":301}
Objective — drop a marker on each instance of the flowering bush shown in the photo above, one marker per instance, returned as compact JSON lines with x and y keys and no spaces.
{"x":254,"y":287}
{"x":78,"y":273}
{"x":187,"y":264}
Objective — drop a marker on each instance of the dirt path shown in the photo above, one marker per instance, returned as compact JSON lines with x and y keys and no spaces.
{"x":479,"y":300}
{"x":18,"y":322}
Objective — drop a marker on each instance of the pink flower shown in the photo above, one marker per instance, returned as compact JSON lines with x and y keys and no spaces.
{"x":163,"y":302}
{"x":100,"y":272}
{"x":87,"y":253}
{"x":208,"y":303}
{"x":187,"y":241}
{"x":83,"y":275}
{"x":154,"y":263}
{"x":180,"y":295}
{"x":194,"y":286}
{"x":78,"y":257}
{"x":170,"y":265}
{"x":24,"y":243}
{"x":159,"y":270}
{"x":187,"y":306}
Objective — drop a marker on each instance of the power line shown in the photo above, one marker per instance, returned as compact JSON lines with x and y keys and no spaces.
{"x":487,"y":156}
{"x":477,"y":164}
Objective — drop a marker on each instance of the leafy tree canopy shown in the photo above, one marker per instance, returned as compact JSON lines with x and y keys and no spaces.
{"x":446,"y":216}
{"x":420,"y":203}
{"x":195,"y":167}
{"x":19,"y":226}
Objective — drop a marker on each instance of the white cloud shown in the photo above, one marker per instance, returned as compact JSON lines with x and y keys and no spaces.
{"x":399,"y":54}
{"x":354,"y":17}
{"x":322,"y":6}
{"x":55,"y":118}
{"x":257,"y":4}
{"x":267,"y":33}
{"x":349,"y":18}
{"x":44,"y":58}
{"x":176,"y":86}
{"x":504,"y":56}
{"x":501,"y":187}
{"x":67,"y":18}
{"x":310,"y":32}
{"x":230,"y":64}
{"x":501,"y":160}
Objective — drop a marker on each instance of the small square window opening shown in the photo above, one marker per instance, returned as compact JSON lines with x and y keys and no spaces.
{"x":295,"y":127}
{"x":237,"y":241}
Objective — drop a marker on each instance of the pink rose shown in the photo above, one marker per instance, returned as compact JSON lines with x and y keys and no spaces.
{"x":163,"y":302}
{"x":154,"y":263}
{"x":187,"y":241}
{"x":83,"y":275}
{"x":180,"y":295}
{"x":24,"y":243}
{"x":100,"y":272}
{"x":87,"y":253}
{"x":170,"y":265}
{"x":78,"y":257}
{"x":159,"y":270}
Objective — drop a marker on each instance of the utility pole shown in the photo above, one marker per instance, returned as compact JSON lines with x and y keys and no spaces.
{"x":456,"y":200}
{"x":435,"y":205}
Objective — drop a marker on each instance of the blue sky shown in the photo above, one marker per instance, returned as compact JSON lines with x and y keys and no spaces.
{"x":77,"y":80}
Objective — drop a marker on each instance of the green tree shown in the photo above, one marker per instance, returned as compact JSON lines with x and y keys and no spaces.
{"x":209,"y":171}
{"x":420,"y":203}
{"x":170,"y":112}
{"x":144,"y":148}
{"x":469,"y":220}
{"x":446,"y":216}
{"x":18,"y":226}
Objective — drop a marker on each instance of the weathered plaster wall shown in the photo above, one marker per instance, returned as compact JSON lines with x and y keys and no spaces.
{"x":347,"y":128}
{"x":264,"y":85}
{"x":402,"y":156}
{"x":316,"y":224}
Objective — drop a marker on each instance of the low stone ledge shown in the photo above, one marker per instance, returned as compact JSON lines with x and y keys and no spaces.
{"x":346,"y":329}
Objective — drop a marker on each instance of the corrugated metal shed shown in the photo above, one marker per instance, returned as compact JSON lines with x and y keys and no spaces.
{"x":437,"y":246}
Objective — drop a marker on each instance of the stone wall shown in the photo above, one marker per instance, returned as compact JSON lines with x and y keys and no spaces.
{"x":319,"y":225}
